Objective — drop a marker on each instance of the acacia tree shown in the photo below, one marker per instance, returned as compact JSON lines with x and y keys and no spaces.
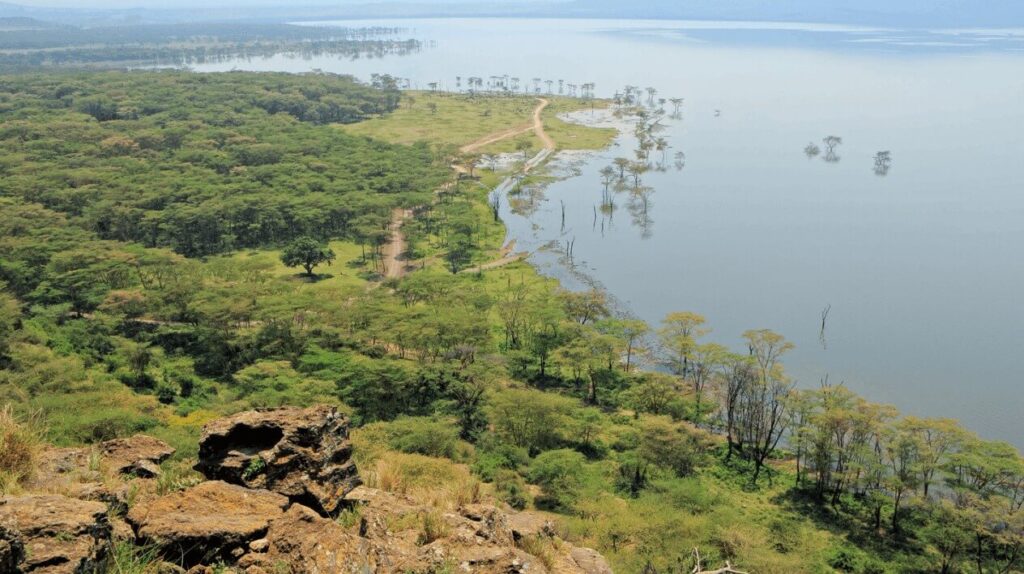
{"x":678,"y":335}
{"x":307,"y":253}
{"x":763,"y":413}
{"x":708,"y":360}
{"x":630,"y":331}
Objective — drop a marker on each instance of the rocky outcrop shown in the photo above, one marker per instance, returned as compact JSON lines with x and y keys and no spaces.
{"x":303,"y":541}
{"x":50,"y":534}
{"x":139,"y":455}
{"x":529,"y":525}
{"x":280,"y":480}
{"x":300,"y":453}
{"x":206,"y":523}
{"x":12,"y":549}
{"x":590,"y":561}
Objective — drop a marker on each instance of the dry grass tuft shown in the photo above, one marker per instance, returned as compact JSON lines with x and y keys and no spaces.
{"x":21,"y":441}
{"x":540,"y":547}
{"x":435,"y":482}
{"x":432,"y":527}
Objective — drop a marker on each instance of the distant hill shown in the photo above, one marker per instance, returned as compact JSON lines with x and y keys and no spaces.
{"x":12,"y":23}
{"x":902,"y":13}
{"x":914,"y":13}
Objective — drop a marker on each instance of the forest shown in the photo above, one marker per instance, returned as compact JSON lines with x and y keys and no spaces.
{"x":175,"y":247}
{"x":28,"y":44}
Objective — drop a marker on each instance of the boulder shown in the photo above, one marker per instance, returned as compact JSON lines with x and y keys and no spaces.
{"x":489,"y":523}
{"x":530,"y":525}
{"x":52,"y":534}
{"x":139,"y":455}
{"x":207,"y":522}
{"x":303,"y":454}
{"x":301,"y":541}
{"x":590,"y":562}
{"x":79,"y":472}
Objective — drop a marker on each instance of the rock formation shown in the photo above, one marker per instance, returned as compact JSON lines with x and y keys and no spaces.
{"x":283,"y":496}
{"x":52,"y":534}
{"x":211,"y":522}
{"x":300,"y":453}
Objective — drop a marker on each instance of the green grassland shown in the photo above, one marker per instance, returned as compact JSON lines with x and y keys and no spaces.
{"x":460,"y":119}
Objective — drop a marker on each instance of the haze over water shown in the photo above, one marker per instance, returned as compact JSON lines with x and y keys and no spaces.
{"x":923,"y":268}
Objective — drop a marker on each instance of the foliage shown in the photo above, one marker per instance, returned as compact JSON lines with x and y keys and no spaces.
{"x":307,"y":253}
{"x":558,"y":473}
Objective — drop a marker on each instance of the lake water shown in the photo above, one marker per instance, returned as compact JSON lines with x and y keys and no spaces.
{"x":923,"y":268}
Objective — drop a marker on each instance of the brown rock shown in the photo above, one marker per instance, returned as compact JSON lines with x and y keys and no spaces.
{"x":304,"y":542}
{"x":528,"y":524}
{"x":139,"y":455}
{"x":206,"y":522}
{"x":260,"y":545}
{"x":491,"y":524}
{"x":590,"y":562}
{"x":50,"y":534}
{"x":12,"y":550}
{"x":168,"y":568}
{"x":300,"y":453}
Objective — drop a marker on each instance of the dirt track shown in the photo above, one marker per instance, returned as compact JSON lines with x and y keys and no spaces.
{"x":393,"y":264}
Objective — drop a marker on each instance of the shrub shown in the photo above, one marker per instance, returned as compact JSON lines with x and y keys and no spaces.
{"x":420,"y":435}
{"x":510,"y":488}
{"x":558,"y":473}
{"x":531,"y":419}
{"x":497,"y":458}
{"x":690,"y":494}
{"x":674,"y":446}
{"x":417,"y":435}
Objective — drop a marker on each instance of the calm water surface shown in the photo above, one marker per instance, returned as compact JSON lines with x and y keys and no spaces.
{"x":923,"y":268}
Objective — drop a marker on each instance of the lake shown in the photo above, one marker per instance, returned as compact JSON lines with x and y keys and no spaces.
{"x":922,"y":268}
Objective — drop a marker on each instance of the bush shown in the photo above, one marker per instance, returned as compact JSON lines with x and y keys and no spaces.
{"x":497,"y":458}
{"x":690,"y":494}
{"x":674,"y":446}
{"x":417,"y":435}
{"x":510,"y":488}
{"x":847,"y":559}
{"x":531,"y":419}
{"x":558,"y":473}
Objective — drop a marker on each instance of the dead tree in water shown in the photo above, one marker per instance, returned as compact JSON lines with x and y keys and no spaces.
{"x":824,"y":319}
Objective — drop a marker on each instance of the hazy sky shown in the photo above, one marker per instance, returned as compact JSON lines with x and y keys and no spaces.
{"x":208,"y":3}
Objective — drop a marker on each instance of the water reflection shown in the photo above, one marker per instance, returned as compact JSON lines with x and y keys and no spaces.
{"x":831,"y":143}
{"x":883,"y":162}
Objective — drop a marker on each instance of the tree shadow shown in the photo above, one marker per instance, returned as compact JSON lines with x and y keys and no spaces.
{"x":842,"y":520}
{"x":315,"y":278}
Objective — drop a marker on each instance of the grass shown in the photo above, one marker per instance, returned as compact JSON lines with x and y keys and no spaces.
{"x":460,"y":120}
{"x":20,"y":444}
{"x":347,"y":270}
{"x":127,"y":558}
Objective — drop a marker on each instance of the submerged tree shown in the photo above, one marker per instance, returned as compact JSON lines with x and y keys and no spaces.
{"x":883,"y":162}
{"x":831,"y":143}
